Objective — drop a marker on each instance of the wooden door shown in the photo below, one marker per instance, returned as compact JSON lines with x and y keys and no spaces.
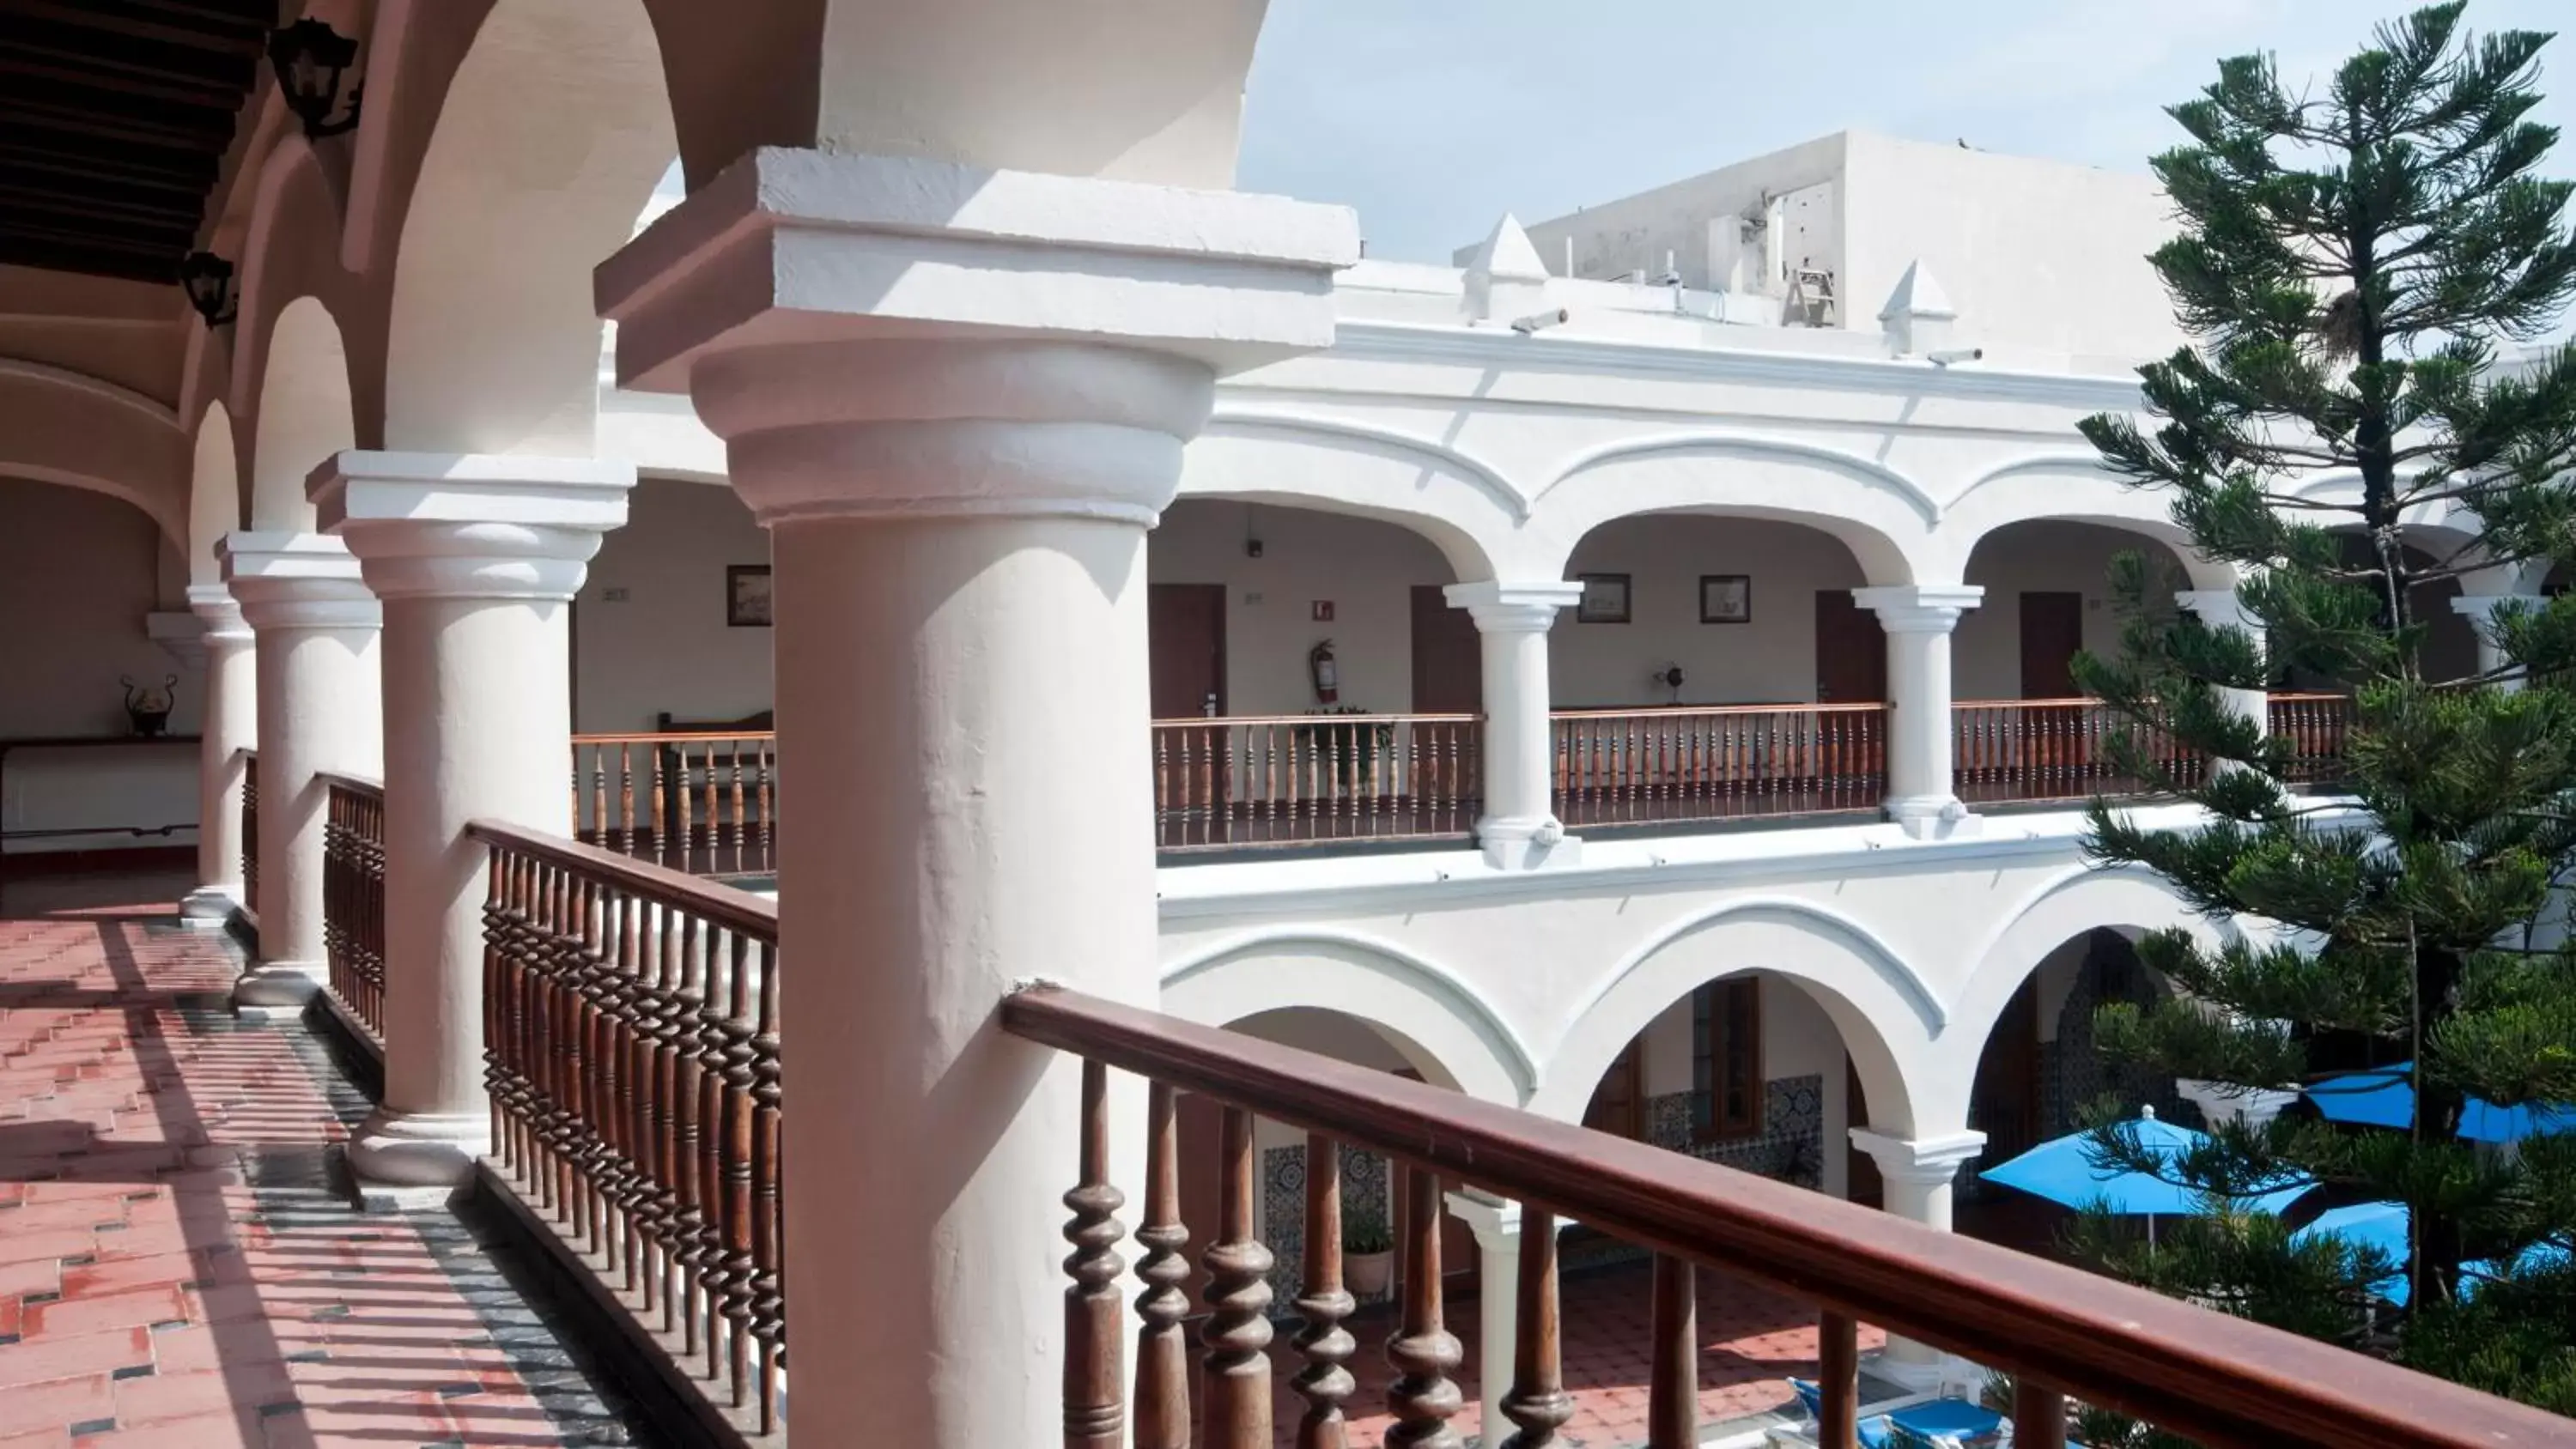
{"x":1185,"y":636}
{"x":1448,"y":657}
{"x":1851,"y":668}
{"x":2004,"y":1102}
{"x":2055,"y":744}
{"x":1863,"y":1185}
{"x":1618,"y":1104}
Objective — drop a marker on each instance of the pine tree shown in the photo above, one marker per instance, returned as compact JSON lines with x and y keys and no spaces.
{"x":2353,"y":267}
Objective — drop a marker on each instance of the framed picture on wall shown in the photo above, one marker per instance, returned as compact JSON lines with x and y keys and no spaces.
{"x":1726,"y":598}
{"x":1604,"y":601}
{"x":747,"y":596}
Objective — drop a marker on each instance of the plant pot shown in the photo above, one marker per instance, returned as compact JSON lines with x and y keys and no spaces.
{"x":1368,"y":1274}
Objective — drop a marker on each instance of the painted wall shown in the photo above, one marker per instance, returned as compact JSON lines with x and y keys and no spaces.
{"x":1365,"y":568}
{"x":1770,"y":660}
{"x":79,"y":572}
{"x":649,"y":627}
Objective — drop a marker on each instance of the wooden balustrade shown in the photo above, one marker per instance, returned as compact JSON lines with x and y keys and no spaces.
{"x":2317,"y":728}
{"x":250,"y":831}
{"x":1619,"y":767}
{"x":1233,"y":781}
{"x":631,"y":1051}
{"x":702,"y":803}
{"x":2061,"y":1332}
{"x":353,"y":898}
{"x":2051,"y":749}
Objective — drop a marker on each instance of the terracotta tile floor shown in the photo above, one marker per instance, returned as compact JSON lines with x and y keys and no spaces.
{"x":174,"y":1268}
{"x":1751,"y":1340}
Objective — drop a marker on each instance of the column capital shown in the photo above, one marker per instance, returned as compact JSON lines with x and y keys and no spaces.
{"x":470,"y":525}
{"x":1495,"y":1222}
{"x":1919,"y":608}
{"x":1514,"y":608}
{"x":903,"y":337}
{"x":1923,"y":1161}
{"x":297,"y":581}
{"x":220,"y":614}
{"x":2482,"y":607}
{"x":2222,"y":1102}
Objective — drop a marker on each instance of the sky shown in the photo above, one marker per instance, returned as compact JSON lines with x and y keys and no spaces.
{"x":1434,"y":117}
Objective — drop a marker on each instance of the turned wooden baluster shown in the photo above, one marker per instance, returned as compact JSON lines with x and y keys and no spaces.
{"x":1324,"y":1303}
{"x":1094,"y":1366}
{"x":1237,"y":1336}
{"x":730,"y":1167}
{"x":1162,"y":1354}
{"x":1538,"y":1404}
{"x":1672,"y":1403}
{"x":769,"y":1224}
{"x":1423,"y":1350}
{"x":2039,"y":1416}
{"x":1838,"y":1382}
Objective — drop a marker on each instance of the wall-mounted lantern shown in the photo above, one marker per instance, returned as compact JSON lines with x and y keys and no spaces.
{"x":209,"y":281}
{"x":310,"y":58}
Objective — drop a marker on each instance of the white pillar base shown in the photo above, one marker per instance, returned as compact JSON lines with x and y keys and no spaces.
{"x":210,"y":907}
{"x":1528,"y":844}
{"x":419,"y":1149}
{"x":1935,"y":817}
{"x":276,"y":991}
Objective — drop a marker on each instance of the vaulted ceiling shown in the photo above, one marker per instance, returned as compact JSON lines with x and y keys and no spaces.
{"x":114,"y":119}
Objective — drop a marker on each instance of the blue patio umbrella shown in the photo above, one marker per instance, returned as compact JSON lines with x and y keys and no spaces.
{"x":2059,"y":1170}
{"x":2382,"y":1225}
{"x":2385,"y":1097}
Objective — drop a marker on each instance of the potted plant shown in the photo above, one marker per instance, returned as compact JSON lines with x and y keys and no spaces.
{"x":1368,"y":1255}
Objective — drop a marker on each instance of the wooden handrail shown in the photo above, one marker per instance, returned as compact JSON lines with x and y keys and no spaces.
{"x":674,"y":737}
{"x":735,"y":910}
{"x":1181,"y":721}
{"x":359,"y":783}
{"x":2229,"y":1383}
{"x":1861,"y":707}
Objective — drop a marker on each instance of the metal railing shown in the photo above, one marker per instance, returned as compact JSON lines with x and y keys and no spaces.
{"x":353,"y":898}
{"x":1622,"y":767}
{"x":704,"y":803}
{"x":1232,"y":781}
{"x":2063,"y":1333}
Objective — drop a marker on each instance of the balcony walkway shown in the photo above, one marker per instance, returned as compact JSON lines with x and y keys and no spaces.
{"x":174,"y":1267}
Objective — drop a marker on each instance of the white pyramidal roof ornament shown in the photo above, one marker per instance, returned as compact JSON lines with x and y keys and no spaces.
{"x":1918,"y":294}
{"x":1505,"y":279}
{"x":1508,"y":252}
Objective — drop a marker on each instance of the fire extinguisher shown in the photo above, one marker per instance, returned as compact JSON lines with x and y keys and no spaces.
{"x":1326,"y":674}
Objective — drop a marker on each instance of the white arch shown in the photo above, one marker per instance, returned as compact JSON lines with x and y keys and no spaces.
{"x":305,"y":414}
{"x":536,"y":170}
{"x":76,"y":431}
{"x":2083,"y":898}
{"x":1358,"y":976}
{"x":1882,"y":516}
{"x":214,"y":494}
{"x":2069,"y":488}
{"x":1462,"y":504}
{"x":1885,"y":1009}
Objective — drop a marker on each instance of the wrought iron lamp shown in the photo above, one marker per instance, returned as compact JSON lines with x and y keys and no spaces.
{"x":209,"y":281}
{"x":310,"y":58}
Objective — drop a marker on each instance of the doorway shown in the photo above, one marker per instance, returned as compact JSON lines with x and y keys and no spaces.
{"x":2052,"y":631}
{"x":1185,"y":641}
{"x":1448,"y":656}
{"x":1862,"y":1184}
{"x":1851,"y":651}
{"x":1618,"y":1104}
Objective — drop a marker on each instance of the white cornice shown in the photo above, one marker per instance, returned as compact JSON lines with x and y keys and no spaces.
{"x":1555,"y":352}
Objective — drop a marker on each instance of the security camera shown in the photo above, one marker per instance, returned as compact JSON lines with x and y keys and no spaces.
{"x":1950,"y":355}
{"x":1536,"y":320}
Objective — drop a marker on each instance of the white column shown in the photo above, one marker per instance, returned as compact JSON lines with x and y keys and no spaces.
{"x":2219,"y":1102}
{"x":318,"y":711}
{"x":2479,"y":609}
{"x":1922,"y":795}
{"x":2221,"y":609}
{"x":1919,"y":1174}
{"x":476,"y":559}
{"x":1519,"y":829}
{"x":231,"y":726}
{"x":957,"y":411}
{"x":1497,"y":1225}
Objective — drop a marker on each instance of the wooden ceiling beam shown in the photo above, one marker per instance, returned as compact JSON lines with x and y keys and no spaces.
{"x":180,"y":176}
{"x":72,"y":69}
{"x":221,"y":34}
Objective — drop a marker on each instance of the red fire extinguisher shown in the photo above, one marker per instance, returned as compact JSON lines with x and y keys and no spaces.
{"x":1327,"y":675}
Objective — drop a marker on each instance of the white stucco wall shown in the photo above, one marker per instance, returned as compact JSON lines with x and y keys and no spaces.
{"x":1771,"y":660}
{"x":651,"y":631}
{"x":2045,"y":556}
{"x":1634,"y":232}
{"x":79,"y":571}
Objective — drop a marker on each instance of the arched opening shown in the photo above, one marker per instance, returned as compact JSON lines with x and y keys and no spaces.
{"x":214,"y":495}
{"x":494,"y":348}
{"x":2022,"y":730}
{"x":2040,"y":1069}
{"x":669,"y":631}
{"x":305,"y":414}
{"x":1345,"y":686}
{"x":1717,"y":665}
{"x":2450,"y":647}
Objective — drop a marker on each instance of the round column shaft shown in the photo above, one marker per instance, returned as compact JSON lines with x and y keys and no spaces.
{"x":476,"y":559}
{"x":318,"y":712}
{"x":231,"y":727}
{"x":1519,"y":828}
{"x":2221,"y":609}
{"x":1920,"y":1177}
{"x":2480,"y":610}
{"x":1922,"y":794}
